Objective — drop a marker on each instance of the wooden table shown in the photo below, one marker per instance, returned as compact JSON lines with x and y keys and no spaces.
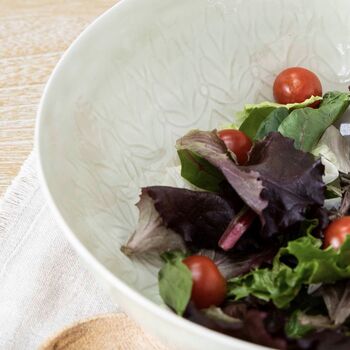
{"x":33,"y":36}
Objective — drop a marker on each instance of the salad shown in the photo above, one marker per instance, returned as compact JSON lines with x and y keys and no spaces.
{"x":256,"y":242}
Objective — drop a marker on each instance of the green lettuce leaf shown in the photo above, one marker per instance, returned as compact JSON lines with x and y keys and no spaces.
{"x":272,"y":122}
{"x":294,"y":328}
{"x":173,"y":255}
{"x":253,"y":120}
{"x":199,"y":171}
{"x":300,"y":324}
{"x":282,"y":283}
{"x":306,"y":126}
{"x":253,"y":115}
{"x":175,"y":282}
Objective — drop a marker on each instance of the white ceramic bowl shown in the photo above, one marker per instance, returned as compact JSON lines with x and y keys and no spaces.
{"x":142,"y":75}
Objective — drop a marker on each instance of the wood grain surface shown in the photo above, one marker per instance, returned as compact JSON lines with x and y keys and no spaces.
{"x":33,"y":36}
{"x":108,"y":332}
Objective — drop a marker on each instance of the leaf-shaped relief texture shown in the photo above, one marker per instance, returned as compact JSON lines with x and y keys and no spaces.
{"x":332,"y":56}
{"x":181,"y":72}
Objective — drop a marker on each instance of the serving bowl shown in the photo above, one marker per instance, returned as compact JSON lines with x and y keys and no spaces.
{"x":137,"y":79}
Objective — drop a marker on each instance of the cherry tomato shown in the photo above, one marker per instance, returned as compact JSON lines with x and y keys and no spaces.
{"x":296,"y":84}
{"x":336,"y":232}
{"x":209,"y":286}
{"x":237,"y":142}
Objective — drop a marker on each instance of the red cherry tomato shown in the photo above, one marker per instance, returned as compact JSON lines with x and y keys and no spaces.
{"x":336,"y":232}
{"x":209,"y":286}
{"x":237,"y":142}
{"x":296,"y":84}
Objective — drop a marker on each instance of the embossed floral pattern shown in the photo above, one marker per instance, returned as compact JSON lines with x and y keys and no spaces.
{"x":135,"y":89}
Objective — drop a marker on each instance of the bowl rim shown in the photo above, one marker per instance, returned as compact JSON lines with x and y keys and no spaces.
{"x":83,"y":252}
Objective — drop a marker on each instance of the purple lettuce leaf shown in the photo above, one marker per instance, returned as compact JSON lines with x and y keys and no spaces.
{"x":345,"y":203}
{"x":256,"y":325}
{"x":274,"y":321}
{"x":151,"y":235}
{"x":209,"y":146}
{"x":281,"y":184}
{"x":234,"y":264}
{"x":337,"y":299}
{"x":263,"y":324}
{"x":227,"y":325}
{"x":322,"y":340}
{"x":251,"y":327}
{"x":292,"y":180}
{"x":198,"y":218}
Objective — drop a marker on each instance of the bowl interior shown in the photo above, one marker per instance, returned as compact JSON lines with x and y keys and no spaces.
{"x":145,"y":74}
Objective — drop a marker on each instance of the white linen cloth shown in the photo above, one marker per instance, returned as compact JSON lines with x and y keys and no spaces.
{"x":43,"y":286}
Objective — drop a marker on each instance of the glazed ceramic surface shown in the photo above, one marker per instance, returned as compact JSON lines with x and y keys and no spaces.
{"x":138,"y":78}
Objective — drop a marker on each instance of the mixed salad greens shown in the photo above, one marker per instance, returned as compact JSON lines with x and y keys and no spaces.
{"x":257,"y":243}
